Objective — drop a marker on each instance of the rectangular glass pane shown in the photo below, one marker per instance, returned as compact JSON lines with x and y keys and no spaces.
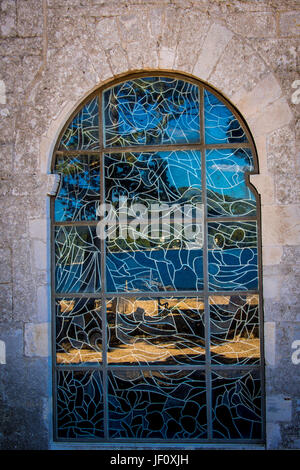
{"x":236,"y":404}
{"x":79,"y":193}
{"x":83,"y":131}
{"x":221,"y":126}
{"x":151,"y":111}
{"x":155,"y":234}
{"x":165,"y":404}
{"x":234,"y":329}
{"x":232,"y":256}
{"x":156,"y":331}
{"x":227,"y":192}
{"x":78,"y":331}
{"x":80,"y":404}
{"x":77,"y":253}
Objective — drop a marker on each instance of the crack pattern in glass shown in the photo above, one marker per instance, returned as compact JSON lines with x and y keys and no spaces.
{"x":78,"y":263}
{"x":165,"y":404}
{"x":156,"y":331}
{"x":83,"y":131}
{"x":78,"y":330}
{"x":234,"y":329}
{"x":79,"y":192}
{"x":157,"y":323}
{"x":227,"y":191}
{"x":236,"y":404}
{"x":80,"y":404}
{"x":151,"y":111}
{"x":221,"y":126}
{"x":232,"y":256}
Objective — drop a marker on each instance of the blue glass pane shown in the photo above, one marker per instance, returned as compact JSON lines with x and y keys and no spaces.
{"x":163,"y":254}
{"x":234,"y":329}
{"x":83,"y":132}
{"x":79,"y":193}
{"x":78,"y":330}
{"x":159,"y":269}
{"x":77,"y":253}
{"x":160,"y":331}
{"x":150,"y":111}
{"x":80,"y":404}
{"x":227,"y":192}
{"x":169,"y":177}
{"x":162,"y":404}
{"x":236,"y":404}
{"x":221,"y":126}
{"x":232,"y":256}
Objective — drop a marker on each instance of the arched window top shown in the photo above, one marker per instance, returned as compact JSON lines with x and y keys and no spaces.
{"x":154,"y":110}
{"x":155,"y":316}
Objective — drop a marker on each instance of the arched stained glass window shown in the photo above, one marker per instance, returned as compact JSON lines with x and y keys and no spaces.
{"x":156,"y":268}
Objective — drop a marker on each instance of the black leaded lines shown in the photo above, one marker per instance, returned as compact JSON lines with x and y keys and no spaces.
{"x":156,"y":331}
{"x":77,"y":253}
{"x":83,"y":131}
{"x":154,"y":177}
{"x":149,"y":257}
{"x":221,"y":126}
{"x":163,"y":404}
{"x":236,"y":404}
{"x":78,"y":330}
{"x":234,"y":329}
{"x":151,"y":111}
{"x":232,"y":256}
{"x":79,"y":193}
{"x":227,"y":191}
{"x":80,"y":404}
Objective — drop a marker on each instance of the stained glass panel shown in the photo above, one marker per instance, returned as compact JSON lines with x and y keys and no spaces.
{"x":166,"y":404}
{"x":236,"y":404}
{"x":77,"y":253}
{"x":227,"y":191}
{"x":156,"y":331}
{"x":143,"y":345}
{"x":234,"y":329}
{"x":83,"y":131}
{"x":78,"y":330}
{"x":151,"y":111}
{"x":221,"y":126}
{"x":232,"y":256}
{"x":80,"y":404}
{"x":79,"y":193}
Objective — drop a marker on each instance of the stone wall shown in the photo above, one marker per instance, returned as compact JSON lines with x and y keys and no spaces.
{"x":54,"y":53}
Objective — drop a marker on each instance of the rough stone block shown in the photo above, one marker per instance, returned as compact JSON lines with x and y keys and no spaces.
{"x":252,"y":24}
{"x":273,"y":436}
{"x":5,"y":303}
{"x":38,"y":229}
{"x":274,"y":116}
{"x":8,"y":17}
{"x":264,"y":184}
{"x":239,"y":67}
{"x":40,"y":254}
{"x":43,"y":300}
{"x":264,"y":93}
{"x":5,"y":263}
{"x":270,"y":343}
{"x":279,"y":408}
{"x":289,"y":22}
{"x":30,"y":18}
{"x":214,"y":44}
{"x":272,"y":255}
{"x":280,"y":225}
{"x":36,"y":339}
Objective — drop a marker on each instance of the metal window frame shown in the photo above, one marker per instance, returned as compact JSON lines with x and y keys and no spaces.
{"x":208,"y":368}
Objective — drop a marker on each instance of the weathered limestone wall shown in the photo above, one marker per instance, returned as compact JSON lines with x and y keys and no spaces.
{"x":54,"y":53}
